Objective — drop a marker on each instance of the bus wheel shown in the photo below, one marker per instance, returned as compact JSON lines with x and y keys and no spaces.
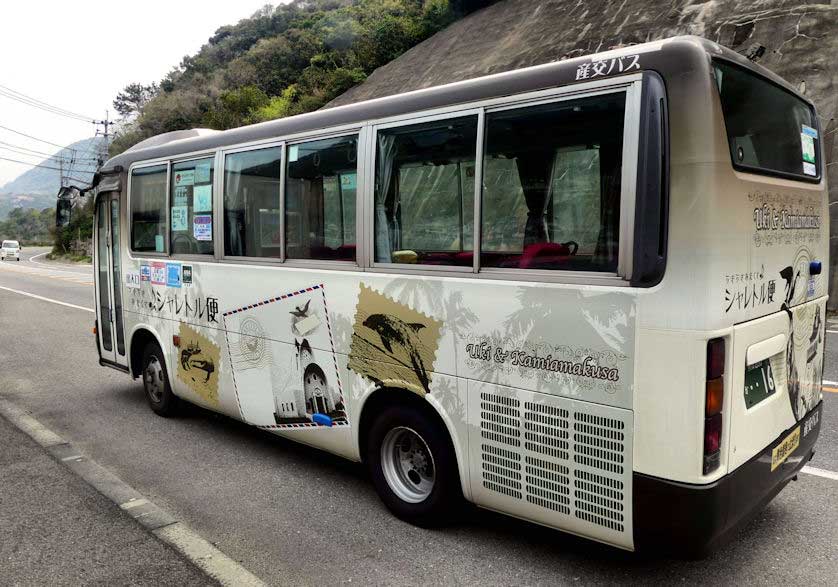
{"x":156,"y":382}
{"x":413,"y":467}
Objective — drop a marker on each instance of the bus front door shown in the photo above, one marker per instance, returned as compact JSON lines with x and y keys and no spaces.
{"x":109,"y":281}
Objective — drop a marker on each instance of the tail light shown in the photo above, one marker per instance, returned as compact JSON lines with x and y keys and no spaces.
{"x":713,"y":402}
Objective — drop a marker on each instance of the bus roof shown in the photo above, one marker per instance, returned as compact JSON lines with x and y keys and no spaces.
{"x":667,"y":56}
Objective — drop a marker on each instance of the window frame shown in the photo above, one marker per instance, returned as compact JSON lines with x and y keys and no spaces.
{"x":360,"y":163}
{"x":366,"y":132}
{"x":130,"y":210}
{"x":763,"y":171}
{"x":223,"y":154}
{"x":370,"y":197}
{"x":631,"y":85}
{"x":172,"y":161}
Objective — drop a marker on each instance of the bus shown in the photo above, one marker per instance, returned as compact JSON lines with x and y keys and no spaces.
{"x":589,"y":294}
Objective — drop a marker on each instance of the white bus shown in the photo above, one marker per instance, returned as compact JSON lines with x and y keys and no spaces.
{"x":589,"y":294}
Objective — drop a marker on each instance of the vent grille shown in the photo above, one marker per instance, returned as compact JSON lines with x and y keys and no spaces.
{"x":566,"y":458}
{"x":546,"y":430}
{"x":501,"y":470}
{"x":500,"y":419}
{"x":598,"y":442}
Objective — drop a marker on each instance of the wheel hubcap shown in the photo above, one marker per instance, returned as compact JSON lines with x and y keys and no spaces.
{"x":153,"y":380}
{"x":408,"y":464}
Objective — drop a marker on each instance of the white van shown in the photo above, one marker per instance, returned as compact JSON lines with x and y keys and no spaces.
{"x":10,"y":250}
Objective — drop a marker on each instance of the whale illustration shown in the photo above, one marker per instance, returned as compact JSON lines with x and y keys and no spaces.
{"x":397,"y":332}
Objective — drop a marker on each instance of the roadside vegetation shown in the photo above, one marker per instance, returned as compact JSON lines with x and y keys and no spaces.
{"x":29,"y":226}
{"x":281,"y":61}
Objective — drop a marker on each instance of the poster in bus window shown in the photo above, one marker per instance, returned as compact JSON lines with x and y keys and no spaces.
{"x":202,"y":198}
{"x":284,"y":363}
{"x":180,"y":215}
{"x":202,"y":227}
{"x":184,"y":177}
{"x":202,"y":172}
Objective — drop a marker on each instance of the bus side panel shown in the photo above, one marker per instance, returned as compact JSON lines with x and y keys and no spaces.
{"x":552,"y":460}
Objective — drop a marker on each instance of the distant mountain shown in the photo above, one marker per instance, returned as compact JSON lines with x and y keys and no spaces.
{"x":38,"y":187}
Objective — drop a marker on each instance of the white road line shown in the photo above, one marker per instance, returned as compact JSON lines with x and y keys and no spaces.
{"x":32,"y":259}
{"x":828,"y":382}
{"x":820,"y":472}
{"x":832,"y":331}
{"x":37,"y":297}
{"x":55,"y":267}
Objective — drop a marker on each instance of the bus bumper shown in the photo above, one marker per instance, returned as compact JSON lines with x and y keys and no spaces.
{"x":693,"y":520}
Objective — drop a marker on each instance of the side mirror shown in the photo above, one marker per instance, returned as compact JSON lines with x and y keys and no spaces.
{"x":63,"y":212}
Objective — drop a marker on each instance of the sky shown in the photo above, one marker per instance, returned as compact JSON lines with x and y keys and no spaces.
{"x":78,"y":55}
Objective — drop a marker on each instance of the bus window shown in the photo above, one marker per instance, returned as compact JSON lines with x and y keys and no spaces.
{"x":192,"y":207}
{"x":148,"y":209}
{"x":768,"y":128}
{"x":424,"y":196}
{"x":551,"y":196}
{"x":320,"y":199}
{"x":251,"y":203}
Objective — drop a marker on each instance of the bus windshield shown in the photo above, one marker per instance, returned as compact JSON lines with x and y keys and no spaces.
{"x":769,"y":129}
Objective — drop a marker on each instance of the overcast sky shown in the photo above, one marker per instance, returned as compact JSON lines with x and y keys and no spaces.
{"x":78,"y":55}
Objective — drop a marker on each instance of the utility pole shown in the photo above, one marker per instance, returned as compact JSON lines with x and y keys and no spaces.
{"x":106,"y":124}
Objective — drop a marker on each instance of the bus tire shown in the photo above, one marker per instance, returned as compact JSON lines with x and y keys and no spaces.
{"x":156,"y":385}
{"x":413,"y":466}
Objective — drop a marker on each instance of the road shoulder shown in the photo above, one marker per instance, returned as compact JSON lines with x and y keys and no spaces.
{"x":73,"y":523}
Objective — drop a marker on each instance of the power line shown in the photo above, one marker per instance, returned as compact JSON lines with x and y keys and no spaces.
{"x":17,"y":132}
{"x":35,"y":103}
{"x":31,"y":164}
{"x":43,"y":158}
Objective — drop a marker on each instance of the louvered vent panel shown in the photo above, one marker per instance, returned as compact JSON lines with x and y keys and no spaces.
{"x":501,"y":470}
{"x":548,"y":484}
{"x":559,"y":461}
{"x":545,"y":430}
{"x":500,"y":419}
{"x":599,"y":443}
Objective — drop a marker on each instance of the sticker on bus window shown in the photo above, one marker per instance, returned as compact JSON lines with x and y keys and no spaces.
{"x":202,"y":198}
{"x":807,"y":145}
{"x":202,"y":173}
{"x":349,"y":181}
{"x":293,"y":153}
{"x":809,"y":169}
{"x":184,"y":178}
{"x":179,"y":218}
{"x":202,"y":227}
{"x":159,"y":243}
{"x":181,"y":195}
{"x":809,"y":131}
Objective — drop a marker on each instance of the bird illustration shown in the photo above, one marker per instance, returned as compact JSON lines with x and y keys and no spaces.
{"x":301,"y":312}
{"x":394,"y":331}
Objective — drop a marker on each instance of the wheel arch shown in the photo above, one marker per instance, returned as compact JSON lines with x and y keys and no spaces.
{"x":140,"y":336}
{"x":380,"y":397}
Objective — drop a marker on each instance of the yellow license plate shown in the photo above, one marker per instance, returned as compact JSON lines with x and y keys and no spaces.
{"x":782,"y":451}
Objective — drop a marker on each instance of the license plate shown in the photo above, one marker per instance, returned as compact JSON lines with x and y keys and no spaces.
{"x":759,"y":382}
{"x":782,"y":451}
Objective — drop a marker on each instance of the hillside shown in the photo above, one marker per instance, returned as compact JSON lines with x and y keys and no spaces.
{"x":281,"y":61}
{"x":37,"y":187}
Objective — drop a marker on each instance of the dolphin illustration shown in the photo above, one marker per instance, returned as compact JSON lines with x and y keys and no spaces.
{"x":397,"y":332}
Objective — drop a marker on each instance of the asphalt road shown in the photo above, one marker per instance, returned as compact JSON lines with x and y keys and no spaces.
{"x":295,"y":515}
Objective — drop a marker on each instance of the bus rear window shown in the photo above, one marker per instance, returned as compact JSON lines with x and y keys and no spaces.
{"x":769,"y":129}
